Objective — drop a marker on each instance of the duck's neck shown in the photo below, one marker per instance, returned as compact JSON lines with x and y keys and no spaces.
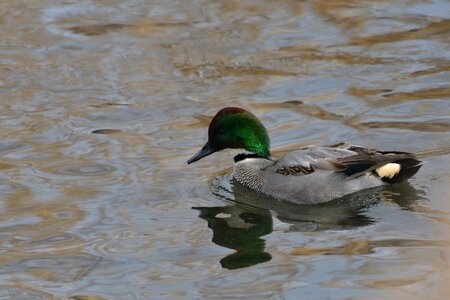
{"x":245,"y":155}
{"x":259,"y":147}
{"x":255,"y":139}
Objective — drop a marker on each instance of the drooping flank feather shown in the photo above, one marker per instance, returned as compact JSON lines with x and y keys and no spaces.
{"x":355,"y":170}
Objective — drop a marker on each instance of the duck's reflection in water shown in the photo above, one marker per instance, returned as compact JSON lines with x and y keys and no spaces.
{"x":239,"y":228}
{"x":247,"y":217}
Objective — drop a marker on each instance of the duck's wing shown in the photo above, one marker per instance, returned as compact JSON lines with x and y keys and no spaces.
{"x":310,"y":159}
{"x":349,"y":160}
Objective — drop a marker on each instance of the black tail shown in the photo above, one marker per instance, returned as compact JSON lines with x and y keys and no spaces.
{"x":408,"y":167}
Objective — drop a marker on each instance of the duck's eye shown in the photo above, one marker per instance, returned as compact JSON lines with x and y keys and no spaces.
{"x":221,"y":130}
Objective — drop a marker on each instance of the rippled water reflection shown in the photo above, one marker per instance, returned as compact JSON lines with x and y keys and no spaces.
{"x":103,"y":103}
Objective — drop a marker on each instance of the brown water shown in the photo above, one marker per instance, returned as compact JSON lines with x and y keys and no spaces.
{"x":104,"y":101}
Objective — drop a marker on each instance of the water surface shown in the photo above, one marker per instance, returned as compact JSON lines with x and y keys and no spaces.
{"x":103,"y":103}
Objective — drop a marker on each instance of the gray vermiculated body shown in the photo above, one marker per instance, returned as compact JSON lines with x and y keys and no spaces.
{"x":323,"y":185}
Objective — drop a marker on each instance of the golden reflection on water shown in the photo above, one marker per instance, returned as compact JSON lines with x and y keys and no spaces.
{"x":103,"y":104}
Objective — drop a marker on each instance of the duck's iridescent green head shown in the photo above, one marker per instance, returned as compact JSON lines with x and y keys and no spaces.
{"x":236,"y":128}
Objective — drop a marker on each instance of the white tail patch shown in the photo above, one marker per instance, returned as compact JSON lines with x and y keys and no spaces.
{"x":388,"y":170}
